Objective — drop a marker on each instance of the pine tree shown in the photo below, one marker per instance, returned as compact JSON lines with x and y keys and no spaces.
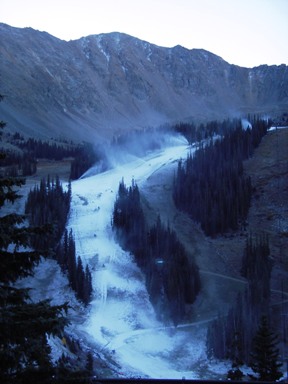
{"x":265,"y":354}
{"x":80,"y":280}
{"x":80,"y":276}
{"x":87,"y":286}
{"x":24,"y":325}
{"x":235,"y":372}
{"x":89,"y":363}
{"x":172,"y":280}
{"x":211,"y":185}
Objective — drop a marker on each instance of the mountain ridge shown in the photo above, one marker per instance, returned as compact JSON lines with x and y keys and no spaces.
{"x":101,"y":85}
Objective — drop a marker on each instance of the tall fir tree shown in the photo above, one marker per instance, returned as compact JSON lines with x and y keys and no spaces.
{"x":24,"y":324}
{"x":265,"y":357}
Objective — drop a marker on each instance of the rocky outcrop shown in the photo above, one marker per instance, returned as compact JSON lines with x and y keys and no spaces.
{"x":100,"y":85}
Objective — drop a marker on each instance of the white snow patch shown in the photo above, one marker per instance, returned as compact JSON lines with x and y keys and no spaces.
{"x":99,"y":45}
{"x":121,"y":317}
{"x":274,"y":128}
{"x":245,"y":124}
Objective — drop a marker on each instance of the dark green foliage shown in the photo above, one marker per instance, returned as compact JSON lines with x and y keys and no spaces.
{"x":48,"y":203}
{"x":16,"y":164}
{"x":216,"y":338}
{"x":84,"y":158}
{"x":129,"y":221}
{"x":80,"y":280}
{"x":7,"y":189}
{"x":211,"y":186}
{"x":84,"y":155}
{"x":265,"y":357}
{"x":235,"y":372}
{"x":195,"y":134}
{"x":39,"y":149}
{"x":89,"y":363}
{"x":70,"y":371}
{"x":243,"y":318}
{"x":257,"y":268}
{"x":188,"y":130}
{"x":24,"y":325}
{"x":171,"y":279}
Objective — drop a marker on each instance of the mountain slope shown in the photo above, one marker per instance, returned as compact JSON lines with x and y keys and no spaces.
{"x":102,"y":84}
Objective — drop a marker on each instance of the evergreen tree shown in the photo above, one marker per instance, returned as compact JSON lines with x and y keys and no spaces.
{"x":172,"y":280}
{"x":265,"y":354}
{"x":211,"y":185}
{"x":71,"y":261}
{"x":256,"y":268}
{"x":89,"y":363}
{"x":235,"y":372}
{"x":88,"y":289}
{"x":243,"y":318}
{"x":80,"y":280}
{"x":24,"y":325}
{"x":48,"y":203}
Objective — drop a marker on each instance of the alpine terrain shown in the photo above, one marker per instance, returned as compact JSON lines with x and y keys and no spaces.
{"x":152,"y":232}
{"x":100,"y":85}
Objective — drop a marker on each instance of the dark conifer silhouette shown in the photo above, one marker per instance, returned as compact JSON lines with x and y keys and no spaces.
{"x":89,"y":363}
{"x":172,"y":280}
{"x":24,"y":325}
{"x":243,"y":318}
{"x":265,"y":357}
{"x":80,"y":279}
{"x":24,"y":162}
{"x":49,"y":203}
{"x":236,"y":354}
{"x":211,"y":186}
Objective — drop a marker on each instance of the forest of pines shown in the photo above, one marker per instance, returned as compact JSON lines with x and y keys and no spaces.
{"x":172,"y":280}
{"x":211,"y":186}
{"x":50,"y":204}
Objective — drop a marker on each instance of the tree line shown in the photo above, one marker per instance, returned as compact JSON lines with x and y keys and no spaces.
{"x":18,"y":164}
{"x":23,"y":162}
{"x":49,"y":204}
{"x":211,"y":185}
{"x":172,"y":280}
{"x":80,"y":279}
{"x":195,"y":134}
{"x":236,"y":336}
{"x":24,"y":324}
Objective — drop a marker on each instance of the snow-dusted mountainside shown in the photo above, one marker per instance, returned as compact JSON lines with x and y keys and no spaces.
{"x":99,"y":85}
{"x":120,"y":323}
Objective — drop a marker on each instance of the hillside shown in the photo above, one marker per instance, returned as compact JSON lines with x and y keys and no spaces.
{"x":219,"y":258}
{"x":119,"y":325}
{"x":97,"y":86}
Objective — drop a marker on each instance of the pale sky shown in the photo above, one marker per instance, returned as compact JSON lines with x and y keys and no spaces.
{"x":243,"y":32}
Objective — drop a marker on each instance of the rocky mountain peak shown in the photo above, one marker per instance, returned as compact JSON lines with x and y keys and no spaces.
{"x":101,"y":84}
